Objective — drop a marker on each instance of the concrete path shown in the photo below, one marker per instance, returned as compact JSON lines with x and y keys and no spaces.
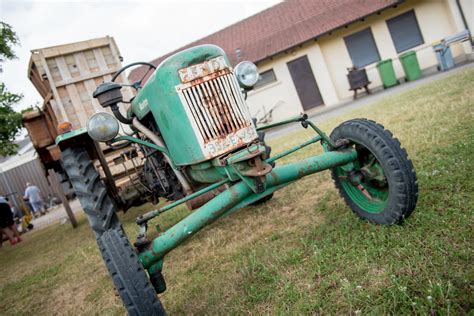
{"x":319,"y":115}
{"x":57,"y":215}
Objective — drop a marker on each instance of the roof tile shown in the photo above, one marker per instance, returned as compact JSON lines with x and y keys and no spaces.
{"x":281,"y":27}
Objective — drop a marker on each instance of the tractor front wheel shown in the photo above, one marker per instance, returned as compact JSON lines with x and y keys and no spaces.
{"x":130,"y":279}
{"x":381,"y":185}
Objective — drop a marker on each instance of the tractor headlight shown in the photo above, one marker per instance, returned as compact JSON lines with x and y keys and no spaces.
{"x":102,"y":127}
{"x":247,"y":74}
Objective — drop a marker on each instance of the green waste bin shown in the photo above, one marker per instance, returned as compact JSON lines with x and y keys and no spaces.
{"x":410,"y":64}
{"x":387,"y":74}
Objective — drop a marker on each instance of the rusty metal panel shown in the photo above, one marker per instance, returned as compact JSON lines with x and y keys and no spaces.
{"x":215,"y":106}
{"x":202,"y":70}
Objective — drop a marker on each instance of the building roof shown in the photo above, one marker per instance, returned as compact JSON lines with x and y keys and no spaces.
{"x":25,"y":153}
{"x":281,"y":27}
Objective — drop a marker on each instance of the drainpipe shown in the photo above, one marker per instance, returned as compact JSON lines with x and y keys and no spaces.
{"x":463,"y":17}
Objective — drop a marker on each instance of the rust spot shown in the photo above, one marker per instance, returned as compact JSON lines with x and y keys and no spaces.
{"x":218,"y":109}
{"x":233,"y":193}
{"x":301,"y":172}
{"x":206,"y":77}
{"x":273,"y":175}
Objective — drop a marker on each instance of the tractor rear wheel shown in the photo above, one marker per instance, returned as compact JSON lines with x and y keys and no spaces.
{"x":381,"y":185}
{"x":130,"y":279}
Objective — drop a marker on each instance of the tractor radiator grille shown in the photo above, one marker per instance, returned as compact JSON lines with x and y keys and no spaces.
{"x":216,"y":106}
{"x":217,"y":112}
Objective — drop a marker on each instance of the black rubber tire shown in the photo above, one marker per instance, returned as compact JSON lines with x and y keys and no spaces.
{"x":398,"y":169}
{"x":91,"y":191}
{"x":130,"y":279}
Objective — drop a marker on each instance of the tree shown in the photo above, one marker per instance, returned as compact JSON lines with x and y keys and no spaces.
{"x":10,"y":121}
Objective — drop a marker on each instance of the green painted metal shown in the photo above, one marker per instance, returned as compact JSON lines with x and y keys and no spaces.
{"x":233,"y":167}
{"x":146,"y":217}
{"x":292,"y":150}
{"x":323,"y":135}
{"x":245,"y":154}
{"x":226,"y":200}
{"x":298,"y":118}
{"x":254,"y":198}
{"x":141,"y":142}
{"x":238,"y":165}
{"x":71,"y":134}
{"x":158,"y":266}
{"x":303,"y":118}
{"x":160,"y":97}
{"x":210,"y":175}
{"x":375,"y":205}
{"x":372,"y":182}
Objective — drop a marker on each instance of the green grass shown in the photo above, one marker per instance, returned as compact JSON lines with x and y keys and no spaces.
{"x":303,"y":252}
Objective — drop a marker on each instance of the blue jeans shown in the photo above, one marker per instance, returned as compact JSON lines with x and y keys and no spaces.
{"x":37,"y":206}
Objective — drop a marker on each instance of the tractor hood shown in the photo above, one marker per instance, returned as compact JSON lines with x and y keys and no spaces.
{"x":197,"y":104}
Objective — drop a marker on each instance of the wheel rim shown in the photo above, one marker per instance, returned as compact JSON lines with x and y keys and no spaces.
{"x":372,"y":191}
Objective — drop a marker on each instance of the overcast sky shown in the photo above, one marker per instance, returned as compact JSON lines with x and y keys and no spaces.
{"x":143,"y":30}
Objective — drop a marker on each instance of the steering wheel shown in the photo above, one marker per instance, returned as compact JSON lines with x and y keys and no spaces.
{"x":137,"y":85}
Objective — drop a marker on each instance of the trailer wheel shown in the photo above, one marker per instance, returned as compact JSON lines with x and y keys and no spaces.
{"x":382,"y":186}
{"x":130,"y":279}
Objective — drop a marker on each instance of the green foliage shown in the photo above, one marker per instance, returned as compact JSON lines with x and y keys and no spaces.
{"x":10,"y":121}
{"x":8,"y":38}
{"x":30,"y":108}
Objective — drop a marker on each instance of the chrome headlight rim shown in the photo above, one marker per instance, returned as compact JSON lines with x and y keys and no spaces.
{"x":102,"y":127}
{"x":247,"y":74}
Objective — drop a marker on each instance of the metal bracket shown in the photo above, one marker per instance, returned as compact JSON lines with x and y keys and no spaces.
{"x":142,"y":240}
{"x":248,"y":165}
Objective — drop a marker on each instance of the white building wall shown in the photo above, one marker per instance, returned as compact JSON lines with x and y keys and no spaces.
{"x":434,"y":20}
{"x":468,"y":9}
{"x":330,"y":59}
{"x":282,"y":94}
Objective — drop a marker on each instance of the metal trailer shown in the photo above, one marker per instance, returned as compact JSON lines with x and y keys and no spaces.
{"x":66,"y":76}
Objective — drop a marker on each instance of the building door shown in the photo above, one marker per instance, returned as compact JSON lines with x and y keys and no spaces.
{"x":305,"y":84}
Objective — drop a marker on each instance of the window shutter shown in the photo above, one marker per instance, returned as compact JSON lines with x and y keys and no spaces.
{"x":405,"y":31}
{"x":362,"y":49}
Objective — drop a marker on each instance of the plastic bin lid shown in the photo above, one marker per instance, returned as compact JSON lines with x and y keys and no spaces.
{"x":384,"y":62}
{"x":405,"y":54}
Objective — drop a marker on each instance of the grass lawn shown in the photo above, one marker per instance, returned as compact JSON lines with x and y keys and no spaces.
{"x":303,"y":252}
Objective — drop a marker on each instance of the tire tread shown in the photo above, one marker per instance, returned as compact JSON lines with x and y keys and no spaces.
{"x":383,"y":144}
{"x":129,"y":277}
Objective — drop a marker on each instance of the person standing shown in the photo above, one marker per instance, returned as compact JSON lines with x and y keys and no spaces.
{"x":7,"y":224}
{"x":33,"y":194}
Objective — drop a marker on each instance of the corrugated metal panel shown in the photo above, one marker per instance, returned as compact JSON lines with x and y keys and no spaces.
{"x":15,"y":179}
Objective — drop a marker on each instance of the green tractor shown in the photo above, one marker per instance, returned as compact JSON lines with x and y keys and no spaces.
{"x":196,"y":143}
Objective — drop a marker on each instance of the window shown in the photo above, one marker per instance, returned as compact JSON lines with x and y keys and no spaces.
{"x":362,"y":49}
{"x":405,"y":31}
{"x":265,"y":78}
